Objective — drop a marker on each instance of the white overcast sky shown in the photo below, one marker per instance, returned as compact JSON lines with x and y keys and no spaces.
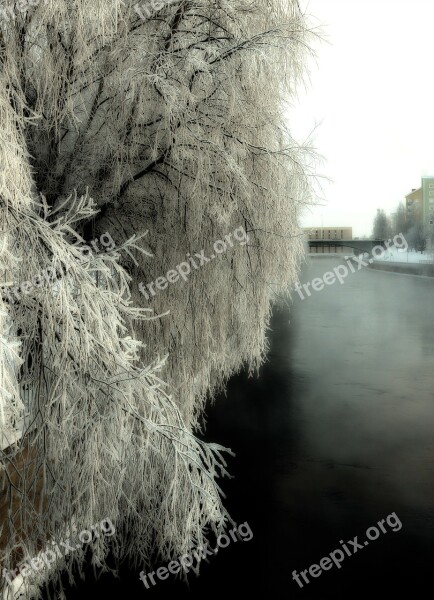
{"x":372,"y":96}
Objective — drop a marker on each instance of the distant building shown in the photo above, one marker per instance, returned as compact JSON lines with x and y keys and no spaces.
{"x":414,"y":205}
{"x":419,"y":203}
{"x":428,"y":200}
{"x":329,"y":234}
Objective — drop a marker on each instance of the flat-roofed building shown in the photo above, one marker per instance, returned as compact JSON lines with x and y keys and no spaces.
{"x":329,"y":234}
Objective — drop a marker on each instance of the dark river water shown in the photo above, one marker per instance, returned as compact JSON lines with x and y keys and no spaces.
{"x":335,"y":435}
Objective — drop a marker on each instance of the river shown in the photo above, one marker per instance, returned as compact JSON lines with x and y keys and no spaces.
{"x":335,"y":435}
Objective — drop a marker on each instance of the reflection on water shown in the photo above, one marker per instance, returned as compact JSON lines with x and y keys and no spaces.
{"x":365,"y":353}
{"x":336,"y":434}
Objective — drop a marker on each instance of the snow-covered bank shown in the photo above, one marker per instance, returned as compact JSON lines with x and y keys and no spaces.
{"x":403,"y":256}
{"x":420,"y":269}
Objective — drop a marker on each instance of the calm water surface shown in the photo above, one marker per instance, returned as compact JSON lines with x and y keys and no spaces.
{"x":336,"y":434}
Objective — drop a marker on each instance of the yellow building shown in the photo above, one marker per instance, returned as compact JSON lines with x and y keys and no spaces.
{"x":420,"y":203}
{"x":414,"y":205}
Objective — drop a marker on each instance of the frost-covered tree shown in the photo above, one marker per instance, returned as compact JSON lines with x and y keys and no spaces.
{"x":169,"y":122}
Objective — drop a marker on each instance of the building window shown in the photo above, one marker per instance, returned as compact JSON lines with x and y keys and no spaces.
{"x":431,"y":185}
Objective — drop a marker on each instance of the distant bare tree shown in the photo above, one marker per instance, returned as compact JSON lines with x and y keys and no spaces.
{"x":417,"y":236}
{"x":382,"y":227}
{"x":400,"y":220}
